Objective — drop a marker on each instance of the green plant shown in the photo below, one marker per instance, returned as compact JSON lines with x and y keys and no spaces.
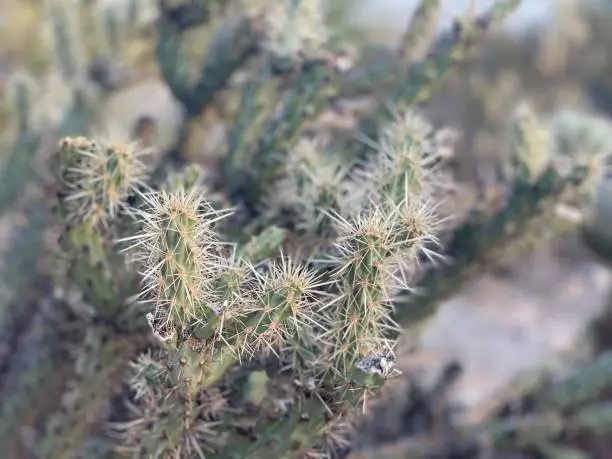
{"x":277,"y":297}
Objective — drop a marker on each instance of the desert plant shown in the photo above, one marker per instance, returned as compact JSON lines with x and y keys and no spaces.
{"x":265,"y":308}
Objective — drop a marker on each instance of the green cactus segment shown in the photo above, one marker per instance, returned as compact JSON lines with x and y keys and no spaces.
{"x":595,"y":418}
{"x":370,"y":249}
{"x":263,"y":245}
{"x":23,"y":95}
{"x":412,"y":48}
{"x":471,"y":244}
{"x":582,"y":386}
{"x":533,"y":149}
{"x":421,"y":31}
{"x":313,"y":87}
{"x":181,"y":253}
{"x":67,"y":39}
{"x":257,"y":101}
{"x":229,"y":51}
{"x":17,"y":169}
{"x":292,"y":436}
{"x":90,"y":261}
{"x":281,"y":310}
{"x":171,"y":417}
{"x":96,"y":179}
{"x":186,"y":366}
{"x":20,"y":267}
{"x":180,"y":268}
{"x":425,"y":78}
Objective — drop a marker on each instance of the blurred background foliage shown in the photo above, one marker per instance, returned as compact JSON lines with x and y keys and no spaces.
{"x":561,"y":62}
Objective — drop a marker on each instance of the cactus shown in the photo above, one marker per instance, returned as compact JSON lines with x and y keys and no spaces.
{"x":260,"y":316}
{"x":330,"y":326}
{"x":40,"y":331}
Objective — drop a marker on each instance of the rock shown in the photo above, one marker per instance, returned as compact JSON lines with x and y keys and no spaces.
{"x":150,"y":100}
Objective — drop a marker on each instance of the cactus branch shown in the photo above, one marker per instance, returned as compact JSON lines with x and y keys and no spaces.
{"x":229,"y":51}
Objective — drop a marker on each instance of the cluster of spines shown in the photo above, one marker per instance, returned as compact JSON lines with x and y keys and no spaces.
{"x":343,"y":314}
{"x":214,"y":308}
{"x":96,"y":179}
{"x":181,"y":252}
{"x":311,"y":187}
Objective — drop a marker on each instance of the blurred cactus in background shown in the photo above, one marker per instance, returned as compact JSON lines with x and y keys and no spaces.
{"x":229,"y":275}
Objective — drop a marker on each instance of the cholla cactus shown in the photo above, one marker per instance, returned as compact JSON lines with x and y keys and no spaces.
{"x":272,"y":302}
{"x":181,"y":253}
{"x":327,"y":328}
{"x":96,"y":181}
